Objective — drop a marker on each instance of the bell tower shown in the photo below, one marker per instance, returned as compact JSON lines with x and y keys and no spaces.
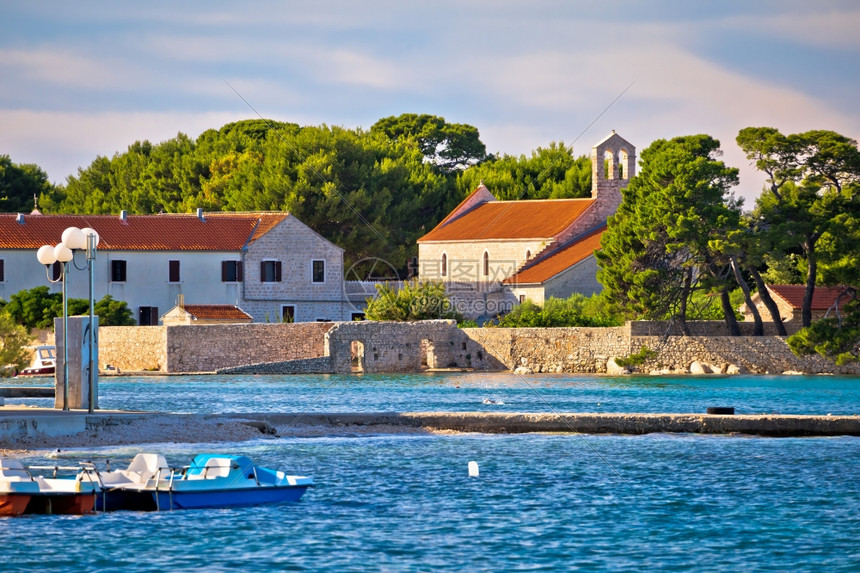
{"x":613,"y":163}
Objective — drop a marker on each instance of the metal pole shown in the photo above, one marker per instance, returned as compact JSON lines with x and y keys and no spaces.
{"x":91,"y":256}
{"x":65,"y":340}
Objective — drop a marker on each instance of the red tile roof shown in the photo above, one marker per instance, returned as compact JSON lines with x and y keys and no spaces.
{"x":217,"y":312}
{"x":559,"y":261}
{"x":217,"y":232}
{"x":822,"y":297}
{"x":534,"y":219}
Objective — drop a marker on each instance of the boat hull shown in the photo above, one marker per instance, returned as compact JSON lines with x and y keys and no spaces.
{"x":62,"y":504}
{"x":13,"y":504}
{"x":227,"y":497}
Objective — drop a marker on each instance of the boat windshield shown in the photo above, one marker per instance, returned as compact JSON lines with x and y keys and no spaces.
{"x":46,"y":353}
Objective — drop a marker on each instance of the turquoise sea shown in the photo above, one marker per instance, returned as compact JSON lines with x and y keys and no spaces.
{"x":541,"y":502}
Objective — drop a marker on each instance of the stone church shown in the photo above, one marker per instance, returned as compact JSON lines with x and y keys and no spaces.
{"x":495,"y":254}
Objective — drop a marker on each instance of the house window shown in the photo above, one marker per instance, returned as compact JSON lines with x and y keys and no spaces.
{"x":56,"y":271}
{"x":173,"y":271}
{"x":444,"y":264}
{"x":231,"y":271}
{"x":2,"y":271}
{"x":528,"y":255}
{"x":522,"y":298}
{"x":270,"y":271}
{"x":288,"y":313}
{"x":318,"y":272}
{"x":117,"y":271}
{"x":486,"y":264}
{"x":147,"y":316}
{"x":357,"y":316}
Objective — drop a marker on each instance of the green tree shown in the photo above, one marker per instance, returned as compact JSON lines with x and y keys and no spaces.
{"x":813,"y":179}
{"x":449,"y":146}
{"x":670,"y":233}
{"x":111,"y":312}
{"x":35,"y":308}
{"x":549,"y":173}
{"x":13,"y":342}
{"x":20,"y":184}
{"x":413,"y":301}
{"x":837,"y":337}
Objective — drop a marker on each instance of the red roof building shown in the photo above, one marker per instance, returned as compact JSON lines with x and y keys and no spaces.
{"x":269,"y":263}
{"x":789,"y":300}
{"x":494,"y":254}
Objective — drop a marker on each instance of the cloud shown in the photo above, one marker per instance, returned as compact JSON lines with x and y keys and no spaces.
{"x":60,"y":142}
{"x":60,"y":69}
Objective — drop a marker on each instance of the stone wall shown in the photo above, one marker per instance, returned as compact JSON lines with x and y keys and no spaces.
{"x":133,"y":348}
{"x":545,"y":349}
{"x":412,"y":347}
{"x":208,"y":347}
{"x":722,"y":354}
{"x":702,"y":328}
{"x":391,"y":346}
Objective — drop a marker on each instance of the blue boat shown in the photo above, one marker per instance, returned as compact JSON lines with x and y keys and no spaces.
{"x":212,"y":480}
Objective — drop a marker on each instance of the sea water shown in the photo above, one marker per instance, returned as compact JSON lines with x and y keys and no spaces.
{"x":495,"y":392}
{"x":541,"y":502}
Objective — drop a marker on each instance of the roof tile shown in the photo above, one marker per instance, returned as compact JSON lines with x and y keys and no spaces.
{"x":559,"y":261}
{"x":532,"y":219}
{"x":216,"y":312}
{"x":822,"y":298}
{"x":216,"y":232}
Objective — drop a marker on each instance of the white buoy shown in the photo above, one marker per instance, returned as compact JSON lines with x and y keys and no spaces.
{"x":473,"y":469}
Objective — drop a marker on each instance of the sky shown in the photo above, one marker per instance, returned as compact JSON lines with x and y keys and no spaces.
{"x":83,"y":79}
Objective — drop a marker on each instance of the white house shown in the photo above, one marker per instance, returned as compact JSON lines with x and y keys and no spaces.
{"x":269,"y":263}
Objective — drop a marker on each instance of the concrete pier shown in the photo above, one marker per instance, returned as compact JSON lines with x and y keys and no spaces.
{"x":583,"y":423}
{"x":20,"y":426}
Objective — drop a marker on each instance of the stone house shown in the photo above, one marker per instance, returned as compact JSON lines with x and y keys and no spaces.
{"x":789,"y":300}
{"x":494,"y":254}
{"x":268,"y":263}
{"x":205,"y":314}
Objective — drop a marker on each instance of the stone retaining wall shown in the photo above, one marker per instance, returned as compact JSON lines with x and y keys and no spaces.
{"x":133,"y":348}
{"x":320,"y":365}
{"x":412,"y":347}
{"x":208,"y":347}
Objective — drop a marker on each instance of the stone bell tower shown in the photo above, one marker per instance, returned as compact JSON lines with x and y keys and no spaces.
{"x":613,"y":163}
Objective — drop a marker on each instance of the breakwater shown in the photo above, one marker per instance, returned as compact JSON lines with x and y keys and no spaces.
{"x":19,"y":427}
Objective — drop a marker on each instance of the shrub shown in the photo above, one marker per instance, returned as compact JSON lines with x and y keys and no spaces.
{"x":577,"y":310}
{"x":414,"y":301}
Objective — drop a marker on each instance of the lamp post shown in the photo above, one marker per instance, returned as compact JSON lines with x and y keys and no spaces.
{"x":74,"y":239}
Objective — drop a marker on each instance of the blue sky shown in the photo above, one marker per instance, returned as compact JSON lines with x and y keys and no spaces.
{"x":81,"y":79}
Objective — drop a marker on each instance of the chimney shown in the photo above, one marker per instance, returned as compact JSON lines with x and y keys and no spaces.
{"x":123,"y":216}
{"x":180,"y":300}
{"x":20,"y":219}
{"x":200,"y":214}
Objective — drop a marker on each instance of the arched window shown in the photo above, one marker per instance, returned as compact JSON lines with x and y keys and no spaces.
{"x":608,"y":165}
{"x":528,"y":255}
{"x":486,"y":264}
{"x":444,"y":264}
{"x":622,"y":165}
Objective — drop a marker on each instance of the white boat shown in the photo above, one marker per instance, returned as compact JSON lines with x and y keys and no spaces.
{"x":22,"y":492}
{"x":212,"y":480}
{"x":44,"y":362}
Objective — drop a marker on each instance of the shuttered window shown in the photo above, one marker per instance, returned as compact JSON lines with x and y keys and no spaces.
{"x":231,"y":271}
{"x":173,"y":271}
{"x":270,"y":271}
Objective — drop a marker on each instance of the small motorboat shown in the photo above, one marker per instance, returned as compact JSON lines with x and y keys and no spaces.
{"x":44,"y":362}
{"x":212,"y":480}
{"x":22,"y":492}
